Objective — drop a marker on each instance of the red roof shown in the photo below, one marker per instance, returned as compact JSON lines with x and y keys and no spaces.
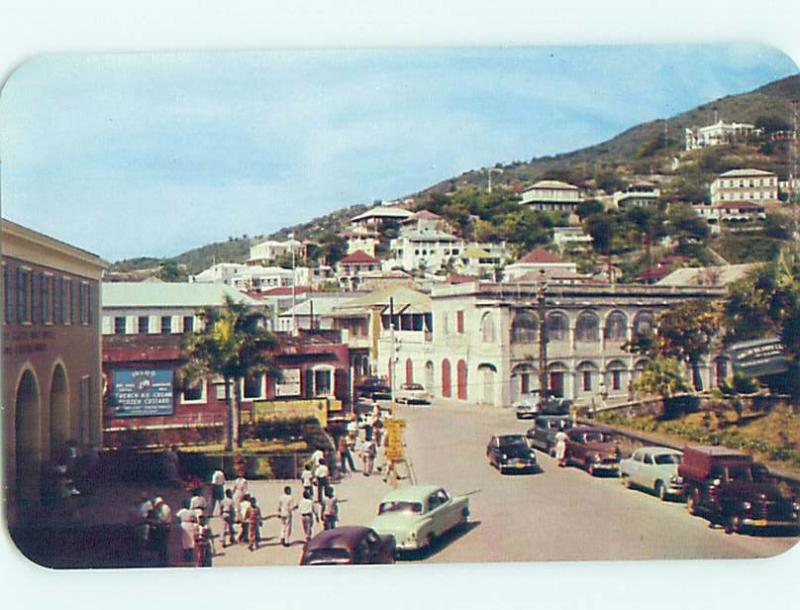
{"x":740,"y":205}
{"x":425,"y":214}
{"x":540,"y":255}
{"x":359,"y":256}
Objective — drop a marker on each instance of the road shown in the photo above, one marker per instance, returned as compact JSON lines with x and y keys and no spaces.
{"x":560,"y":514}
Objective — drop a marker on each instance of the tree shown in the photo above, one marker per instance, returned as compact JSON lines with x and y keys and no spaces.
{"x":686,"y":226}
{"x":589,"y":207}
{"x":772,"y":124}
{"x":601,"y":228}
{"x":663,"y":377}
{"x":168,"y":271}
{"x":233,"y":344}
{"x":331,"y":247}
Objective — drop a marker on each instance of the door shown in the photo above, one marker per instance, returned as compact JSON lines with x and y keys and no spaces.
{"x":557,"y":384}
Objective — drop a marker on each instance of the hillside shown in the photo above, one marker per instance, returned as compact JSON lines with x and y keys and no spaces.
{"x":644,"y":149}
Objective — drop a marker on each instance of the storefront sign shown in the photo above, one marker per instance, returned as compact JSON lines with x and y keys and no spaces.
{"x":759,"y":358}
{"x":394,"y":439}
{"x":291,"y":409}
{"x":289,"y":385}
{"x":142,"y":392}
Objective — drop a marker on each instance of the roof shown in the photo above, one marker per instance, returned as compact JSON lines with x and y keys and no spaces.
{"x":324,"y":304}
{"x":740,"y":205}
{"x":552,"y":184}
{"x":281,"y":291}
{"x":540,"y":255}
{"x":166,"y":294}
{"x":413,"y":493}
{"x":404,"y":298}
{"x":424,"y":215}
{"x":382,"y":211}
{"x":707,"y":276}
{"x":359,"y":256}
{"x":745,"y":172}
{"x":476,"y":252}
{"x":460,"y":279}
{"x":427,"y":235}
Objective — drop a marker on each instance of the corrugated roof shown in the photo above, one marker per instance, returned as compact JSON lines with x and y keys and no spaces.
{"x":745,"y":172}
{"x":359,"y":256}
{"x":166,"y":294}
{"x":540,"y":255}
{"x":382,"y":211}
{"x":707,"y":276}
{"x":402,"y":295}
{"x":552,"y":184}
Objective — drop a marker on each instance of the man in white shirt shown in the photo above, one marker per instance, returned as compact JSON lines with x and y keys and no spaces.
{"x":217,"y":490}
{"x":321,"y":477}
{"x":286,"y":507}
{"x":307,"y":514}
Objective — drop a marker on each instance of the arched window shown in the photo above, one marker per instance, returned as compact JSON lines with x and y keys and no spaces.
{"x":487,"y":327}
{"x":587,"y":328}
{"x":616,"y":326}
{"x":643,"y":324}
{"x":409,"y":370}
{"x":557,"y":326}
{"x":461,"y":380}
{"x":524,"y":327}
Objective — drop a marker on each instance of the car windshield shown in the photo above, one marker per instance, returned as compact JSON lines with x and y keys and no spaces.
{"x":400,"y":507}
{"x":667,"y":458}
{"x":327,"y":557}
{"x":740,"y":473}
{"x":513,"y":441}
{"x":412,"y":386}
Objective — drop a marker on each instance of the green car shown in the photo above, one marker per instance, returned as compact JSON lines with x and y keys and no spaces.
{"x":419,"y":514}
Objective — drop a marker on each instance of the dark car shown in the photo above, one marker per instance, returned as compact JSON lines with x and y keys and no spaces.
{"x":594,"y":449}
{"x":511,"y":453}
{"x":533,"y":404}
{"x":542,"y":435}
{"x":374,"y":388}
{"x":728,"y":487}
{"x":348,"y":545}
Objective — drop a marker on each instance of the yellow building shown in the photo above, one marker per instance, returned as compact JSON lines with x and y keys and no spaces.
{"x":51,"y":373}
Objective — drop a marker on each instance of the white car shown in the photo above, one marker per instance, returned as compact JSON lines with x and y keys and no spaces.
{"x":412,"y":393}
{"x":653,"y":468}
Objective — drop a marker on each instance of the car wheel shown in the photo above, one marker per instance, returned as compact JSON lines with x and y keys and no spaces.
{"x":626,"y":481}
{"x":430,"y":539}
{"x":591,"y":469}
{"x":692,"y":500}
{"x":464,"y":518}
{"x":661,"y":491}
{"x":733,"y":524}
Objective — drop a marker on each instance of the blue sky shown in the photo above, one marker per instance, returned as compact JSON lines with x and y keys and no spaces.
{"x":153,"y":154}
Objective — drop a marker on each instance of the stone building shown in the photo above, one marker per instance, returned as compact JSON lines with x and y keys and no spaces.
{"x":51,"y":356}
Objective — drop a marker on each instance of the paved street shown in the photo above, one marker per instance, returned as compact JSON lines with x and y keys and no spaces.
{"x":555,"y":515}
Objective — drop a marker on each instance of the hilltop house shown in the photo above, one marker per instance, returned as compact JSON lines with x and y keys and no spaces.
{"x":245,"y":277}
{"x":552,"y":196}
{"x":753,"y":185}
{"x":716,"y":134}
{"x":376,"y":217}
{"x":638,"y":194}
{"x":267,"y":251}
{"x":539,"y":262}
{"x":353,"y":266}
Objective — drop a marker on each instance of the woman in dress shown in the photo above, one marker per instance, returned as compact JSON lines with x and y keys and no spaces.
{"x":239,"y":492}
{"x":188,"y":522}
{"x":561,"y":447}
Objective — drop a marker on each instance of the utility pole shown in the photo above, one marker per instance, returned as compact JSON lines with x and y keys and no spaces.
{"x":541,"y":297}
{"x":493,"y":169}
{"x":393,"y":357}
{"x":295,"y":330}
{"x":794,"y":178}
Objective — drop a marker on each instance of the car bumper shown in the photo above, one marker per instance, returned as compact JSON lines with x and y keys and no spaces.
{"x":525,"y":415}
{"x":518,"y":467}
{"x":604,"y":467}
{"x":748,"y":522}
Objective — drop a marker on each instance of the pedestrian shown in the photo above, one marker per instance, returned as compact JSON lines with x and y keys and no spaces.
{"x":170,"y":465}
{"x":203,"y":544}
{"x":307,"y":478}
{"x":377,"y":428}
{"x":162,"y":526}
{"x":341,"y":447}
{"x":254,"y":520}
{"x":286,"y":507}
{"x":244,"y":535}
{"x":369,"y":451}
{"x":217,"y":490}
{"x":561,"y":447}
{"x":308,"y":514}
{"x":228,"y":510}
{"x":321,"y":477}
{"x":188,"y":522}
{"x":352,"y":430}
{"x":138,"y":529}
{"x":239,"y":492}
{"x":316,"y":457}
{"x":330,"y":509}
{"x":199,"y":504}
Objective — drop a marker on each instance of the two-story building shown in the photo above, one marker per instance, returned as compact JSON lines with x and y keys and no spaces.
{"x":265,"y":252}
{"x":552,"y":196}
{"x":351,"y":269}
{"x":539,"y":261}
{"x":716,"y":134}
{"x":739,"y":185}
{"x":246,"y":277}
{"x":52,"y":381}
{"x":640,"y":194}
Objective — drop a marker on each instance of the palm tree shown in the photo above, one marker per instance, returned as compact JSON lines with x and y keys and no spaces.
{"x":233,"y":344}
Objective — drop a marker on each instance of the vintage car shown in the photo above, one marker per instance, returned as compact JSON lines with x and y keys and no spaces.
{"x":533,"y":404}
{"x":728,"y":487}
{"x":653,"y":468}
{"x":511,"y":453}
{"x":417,"y":515}
{"x":374,"y":388}
{"x":348,"y":545}
{"x":412,"y":393}
{"x":594,"y":449}
{"x":542,"y":435}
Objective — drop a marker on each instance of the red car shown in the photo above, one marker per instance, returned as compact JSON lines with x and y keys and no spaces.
{"x":593,"y":449}
{"x":352,"y":544}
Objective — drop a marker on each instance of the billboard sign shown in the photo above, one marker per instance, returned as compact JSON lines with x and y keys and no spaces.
{"x":142,"y":392}
{"x":759,"y":357}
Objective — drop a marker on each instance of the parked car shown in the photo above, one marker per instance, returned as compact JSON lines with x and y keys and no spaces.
{"x":542,"y":435}
{"x":374,"y":388}
{"x":348,"y":545}
{"x":593,"y":449}
{"x":412,"y":393}
{"x":533,"y":404}
{"x":416,"y":516}
{"x":728,"y":487}
{"x":511,"y":453}
{"x":653,"y":468}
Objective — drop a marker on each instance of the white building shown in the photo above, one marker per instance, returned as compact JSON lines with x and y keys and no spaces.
{"x":245,"y":277}
{"x":361,"y":238}
{"x":376,"y":217}
{"x":752,"y":185}
{"x":552,"y":196}
{"x":424,"y":249}
{"x":313,"y":276}
{"x":567,"y":238}
{"x":313,"y":311}
{"x":539,"y":261}
{"x":716,"y":134}
{"x":165,"y":308}
{"x":267,"y":251}
{"x":731,"y":212}
{"x":351,"y":269}
{"x":638,"y":194}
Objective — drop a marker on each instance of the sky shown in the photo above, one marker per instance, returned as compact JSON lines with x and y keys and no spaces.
{"x":131,"y":155}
